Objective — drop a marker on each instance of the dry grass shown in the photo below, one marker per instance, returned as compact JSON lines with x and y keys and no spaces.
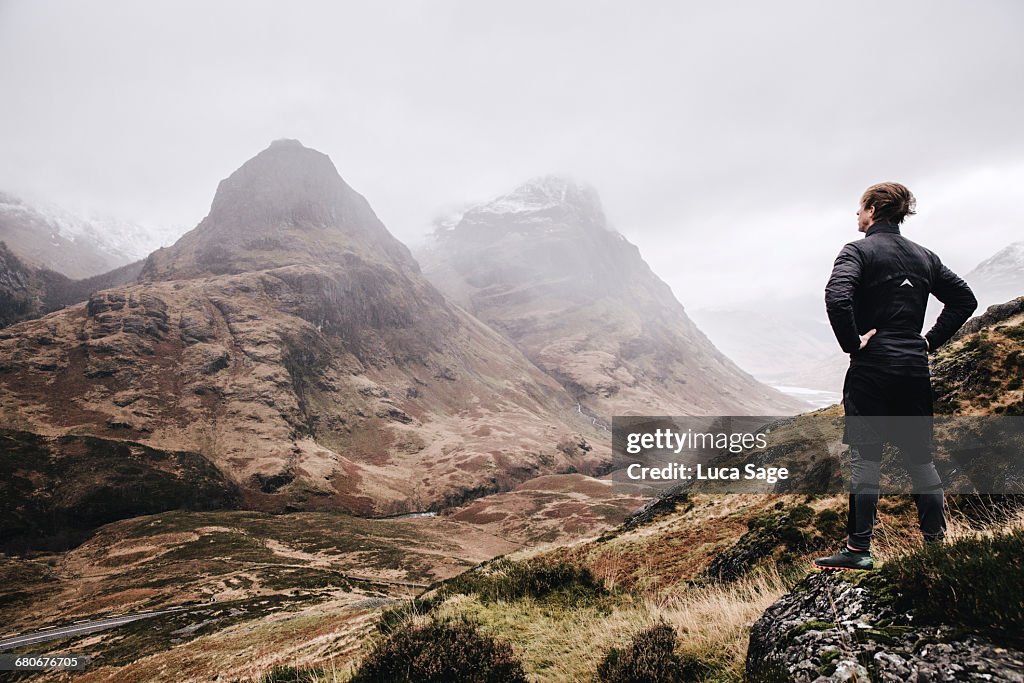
{"x":567,"y":642}
{"x":559,"y":643}
{"x":714,"y":621}
{"x":331,"y":672}
{"x":896,"y":535}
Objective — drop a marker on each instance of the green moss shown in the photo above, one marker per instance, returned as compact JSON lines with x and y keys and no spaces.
{"x":813,"y":625}
{"x":1016,"y":332}
{"x":1016,"y":408}
{"x":827,"y":522}
{"x":889,"y":635}
{"x":782,"y":537}
{"x":828,"y":658}
{"x":800,"y":515}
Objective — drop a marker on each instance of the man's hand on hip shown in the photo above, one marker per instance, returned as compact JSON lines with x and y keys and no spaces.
{"x":864,"y":337}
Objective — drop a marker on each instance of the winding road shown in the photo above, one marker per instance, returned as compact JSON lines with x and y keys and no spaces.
{"x":78,"y":629}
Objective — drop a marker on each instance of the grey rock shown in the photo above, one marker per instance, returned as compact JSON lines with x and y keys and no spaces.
{"x":829,"y":629}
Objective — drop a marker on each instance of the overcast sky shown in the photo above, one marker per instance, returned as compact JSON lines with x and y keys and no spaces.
{"x":729,"y":141}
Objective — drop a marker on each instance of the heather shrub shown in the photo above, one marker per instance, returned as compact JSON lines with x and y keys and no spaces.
{"x":440,"y":652}
{"x":510,"y":580}
{"x":650,"y":658}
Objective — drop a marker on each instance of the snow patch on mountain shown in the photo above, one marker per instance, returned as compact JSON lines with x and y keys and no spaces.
{"x":547,"y":203}
{"x":543,"y":192}
{"x":125,"y":241}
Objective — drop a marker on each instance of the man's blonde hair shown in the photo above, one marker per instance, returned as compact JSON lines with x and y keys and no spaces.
{"x":891,"y":201}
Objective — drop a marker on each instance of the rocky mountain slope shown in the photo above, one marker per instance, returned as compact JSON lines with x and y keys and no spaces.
{"x":28,"y":290}
{"x":24,"y":288}
{"x":291,"y":341}
{"x":543,"y":267}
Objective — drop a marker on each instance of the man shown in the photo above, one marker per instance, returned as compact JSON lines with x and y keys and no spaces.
{"x":876,"y":299}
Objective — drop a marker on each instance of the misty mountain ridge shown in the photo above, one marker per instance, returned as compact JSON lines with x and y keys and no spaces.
{"x":542,"y":265}
{"x":999,"y":277}
{"x":74,"y":245}
{"x":549,"y":200}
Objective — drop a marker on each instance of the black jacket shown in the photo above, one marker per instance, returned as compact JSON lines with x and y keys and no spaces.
{"x":882,"y":281}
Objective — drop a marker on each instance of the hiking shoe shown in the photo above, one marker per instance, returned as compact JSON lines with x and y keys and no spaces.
{"x":846,"y":559}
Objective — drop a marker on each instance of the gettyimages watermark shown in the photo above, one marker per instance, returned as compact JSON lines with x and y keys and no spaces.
{"x":812,"y":453}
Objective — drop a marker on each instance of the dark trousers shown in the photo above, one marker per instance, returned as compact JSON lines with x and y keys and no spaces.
{"x":875,"y":400}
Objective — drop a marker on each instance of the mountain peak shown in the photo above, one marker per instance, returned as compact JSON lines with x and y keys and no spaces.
{"x":1009,"y":256}
{"x":286,"y":142}
{"x":286,"y":205}
{"x":543,"y":204}
{"x":555,"y":185}
{"x":545,"y":192}
{"x":285,"y":183}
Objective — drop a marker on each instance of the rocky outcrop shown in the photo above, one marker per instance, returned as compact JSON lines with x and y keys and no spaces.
{"x":28,"y":291}
{"x":980,"y":371}
{"x":23,"y":288}
{"x":664,"y":504}
{"x":543,"y":267}
{"x":831,"y":629}
{"x":994,"y":314}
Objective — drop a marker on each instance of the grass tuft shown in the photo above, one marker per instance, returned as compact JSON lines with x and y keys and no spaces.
{"x":977,"y":583}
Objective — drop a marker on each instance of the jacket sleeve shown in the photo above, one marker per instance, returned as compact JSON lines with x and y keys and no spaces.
{"x":959,"y":302}
{"x":846,"y":274}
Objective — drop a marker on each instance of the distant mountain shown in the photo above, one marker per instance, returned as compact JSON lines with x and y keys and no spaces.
{"x":291,"y":341}
{"x":542,"y":265}
{"x":779,"y":345}
{"x":999,"y":277}
{"x":73,"y":245}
